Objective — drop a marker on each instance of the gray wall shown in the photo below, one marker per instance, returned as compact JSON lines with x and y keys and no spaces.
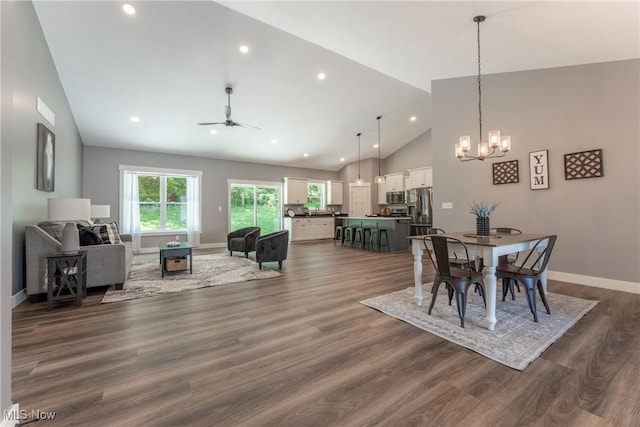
{"x":28,"y":71}
{"x":415,"y":154}
{"x":563,"y":110}
{"x":101,"y":180}
{"x":35,"y":75}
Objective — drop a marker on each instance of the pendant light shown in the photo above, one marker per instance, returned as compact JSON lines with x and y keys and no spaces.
{"x":380,"y":178}
{"x":359,"y":181}
{"x":496,"y":142}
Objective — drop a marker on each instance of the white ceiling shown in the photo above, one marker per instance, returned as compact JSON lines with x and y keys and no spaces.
{"x":170,"y":62}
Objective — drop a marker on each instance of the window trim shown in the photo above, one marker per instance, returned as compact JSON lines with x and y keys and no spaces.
{"x":146,"y":170}
{"x":323,"y":184}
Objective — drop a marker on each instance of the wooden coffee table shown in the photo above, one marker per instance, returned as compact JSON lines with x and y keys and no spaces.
{"x":173,"y":252}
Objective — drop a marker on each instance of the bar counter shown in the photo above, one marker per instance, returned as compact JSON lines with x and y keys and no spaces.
{"x":397,"y":228}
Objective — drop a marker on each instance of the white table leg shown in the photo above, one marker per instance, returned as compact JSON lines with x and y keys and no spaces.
{"x":490,"y":285}
{"x":417,"y":269}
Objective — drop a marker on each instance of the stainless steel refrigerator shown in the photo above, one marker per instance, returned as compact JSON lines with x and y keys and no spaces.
{"x":419,"y":208}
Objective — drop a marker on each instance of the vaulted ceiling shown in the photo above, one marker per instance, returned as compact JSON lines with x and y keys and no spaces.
{"x":169,"y":63}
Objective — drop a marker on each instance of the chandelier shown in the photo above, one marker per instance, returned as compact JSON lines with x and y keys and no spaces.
{"x":380,"y":178}
{"x":498,"y":144}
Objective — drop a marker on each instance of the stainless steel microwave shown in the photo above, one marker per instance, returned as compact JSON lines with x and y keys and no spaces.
{"x":395,"y":197}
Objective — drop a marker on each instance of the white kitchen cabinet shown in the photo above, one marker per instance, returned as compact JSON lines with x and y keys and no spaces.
{"x":295,"y":191}
{"x":421,"y":178}
{"x":393,"y":182}
{"x":309,"y":228}
{"x":334,"y":192}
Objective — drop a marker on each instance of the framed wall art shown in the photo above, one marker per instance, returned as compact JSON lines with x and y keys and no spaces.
{"x":46,"y":159}
{"x":539,"y":170}
{"x":584,"y":164}
{"x":505,"y":172}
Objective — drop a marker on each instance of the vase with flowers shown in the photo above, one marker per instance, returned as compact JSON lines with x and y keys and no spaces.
{"x":482,"y":211}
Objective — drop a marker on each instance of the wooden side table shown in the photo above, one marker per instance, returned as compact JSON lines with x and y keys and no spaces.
{"x":66,"y":277}
{"x":175,"y":251}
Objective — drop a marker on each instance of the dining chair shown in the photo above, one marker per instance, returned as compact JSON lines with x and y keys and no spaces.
{"x":509,"y":259}
{"x":528,"y":273}
{"x":457,"y":280}
{"x":454,"y":260}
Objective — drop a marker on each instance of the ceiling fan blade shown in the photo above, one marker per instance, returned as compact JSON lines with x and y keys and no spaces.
{"x":212,"y":123}
{"x":242,"y":125}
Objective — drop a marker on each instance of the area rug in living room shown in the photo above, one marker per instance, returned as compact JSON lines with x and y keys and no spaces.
{"x":516,"y":340}
{"x":145,"y":278}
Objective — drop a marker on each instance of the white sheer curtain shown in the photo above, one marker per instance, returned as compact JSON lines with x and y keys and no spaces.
{"x":193,"y":210}
{"x":131,"y":207}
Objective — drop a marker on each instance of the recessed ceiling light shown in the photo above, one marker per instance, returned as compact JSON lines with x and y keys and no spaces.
{"x":306,"y":154}
{"x":413,"y":118}
{"x":244,"y":49}
{"x":274,"y":141}
{"x":213,"y":131}
{"x":321,"y":76}
{"x":128,"y":9}
{"x":342,"y":159}
{"x":135,"y":119}
{"x":375,"y":145}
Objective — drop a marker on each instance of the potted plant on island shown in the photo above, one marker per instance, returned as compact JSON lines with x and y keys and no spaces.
{"x":482,"y":211}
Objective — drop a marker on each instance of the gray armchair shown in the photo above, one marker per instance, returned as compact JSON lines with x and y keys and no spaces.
{"x":272,"y":247}
{"x":243,"y":240}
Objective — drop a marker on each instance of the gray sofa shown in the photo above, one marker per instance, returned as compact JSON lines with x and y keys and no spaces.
{"x":107,"y":264}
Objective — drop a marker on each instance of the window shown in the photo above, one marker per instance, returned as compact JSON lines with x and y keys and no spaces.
{"x":255,"y":204}
{"x":156,"y":200}
{"x":163,"y":202}
{"x":316,"y":195}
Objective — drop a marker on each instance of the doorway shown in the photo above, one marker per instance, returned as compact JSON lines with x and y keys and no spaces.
{"x":359,"y":199}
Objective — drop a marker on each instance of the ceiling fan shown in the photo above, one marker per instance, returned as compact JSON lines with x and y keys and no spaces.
{"x":227,"y":112}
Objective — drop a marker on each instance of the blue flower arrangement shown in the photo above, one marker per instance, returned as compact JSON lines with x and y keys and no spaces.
{"x":481,"y":209}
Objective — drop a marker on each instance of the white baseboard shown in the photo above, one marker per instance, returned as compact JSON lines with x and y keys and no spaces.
{"x":597,"y":282}
{"x":18,"y":298}
{"x":11,"y":416}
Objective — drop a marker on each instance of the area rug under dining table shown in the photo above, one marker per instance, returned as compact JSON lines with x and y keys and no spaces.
{"x":516,"y":341}
{"x":145,"y":278}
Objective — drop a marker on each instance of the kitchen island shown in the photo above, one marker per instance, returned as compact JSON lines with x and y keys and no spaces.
{"x":397,"y":228}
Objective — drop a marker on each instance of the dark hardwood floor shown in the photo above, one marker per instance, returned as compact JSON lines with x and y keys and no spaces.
{"x":299,"y":350}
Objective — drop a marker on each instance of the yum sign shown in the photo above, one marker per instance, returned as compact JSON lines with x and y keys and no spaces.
{"x":539,"y":169}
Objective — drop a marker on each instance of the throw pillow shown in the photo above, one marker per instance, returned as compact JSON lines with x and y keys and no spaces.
{"x":108,"y":233}
{"x":88,"y":237}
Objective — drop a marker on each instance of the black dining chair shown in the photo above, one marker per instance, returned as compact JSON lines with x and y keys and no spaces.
{"x":454,"y":260}
{"x":509,"y":259}
{"x":528,"y":273}
{"x":458,"y":280}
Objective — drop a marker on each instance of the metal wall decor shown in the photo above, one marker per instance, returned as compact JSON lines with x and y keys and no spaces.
{"x":505,"y":172}
{"x":539,"y":170}
{"x":584,"y":164}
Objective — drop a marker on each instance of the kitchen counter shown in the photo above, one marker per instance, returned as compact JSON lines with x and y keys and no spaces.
{"x":397,"y":228}
{"x":379,"y":218}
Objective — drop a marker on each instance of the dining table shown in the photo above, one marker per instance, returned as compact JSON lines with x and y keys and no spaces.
{"x":489,"y":249}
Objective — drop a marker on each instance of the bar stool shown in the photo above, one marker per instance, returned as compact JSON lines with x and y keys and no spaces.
{"x":377,"y":240}
{"x":347,"y":236}
{"x":383,"y":232}
{"x":339,"y":234}
{"x":360,"y":236}
{"x":350,"y":234}
{"x":372,"y":236}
